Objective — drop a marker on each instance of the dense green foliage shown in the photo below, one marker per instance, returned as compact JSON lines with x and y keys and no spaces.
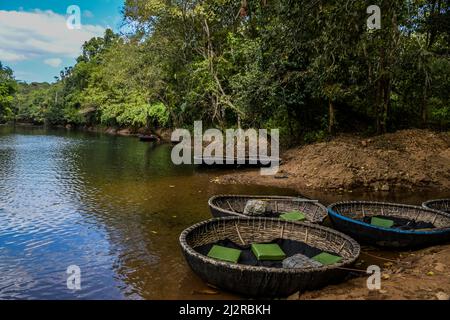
{"x":7,"y":89}
{"x":307,"y":67}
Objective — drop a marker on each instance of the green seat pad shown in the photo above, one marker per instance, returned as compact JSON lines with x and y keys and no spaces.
{"x":326,"y":258}
{"x":268,"y":251}
{"x":293,"y":216}
{"x":380,"y":222}
{"x":224,"y":253}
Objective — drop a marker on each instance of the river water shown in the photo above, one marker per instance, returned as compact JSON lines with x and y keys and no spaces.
{"x":111,"y":205}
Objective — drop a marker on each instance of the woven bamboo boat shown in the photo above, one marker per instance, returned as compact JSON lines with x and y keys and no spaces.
{"x":349,"y":216}
{"x":439,"y":204}
{"x":266,"y":281}
{"x":148,"y":138}
{"x":233,"y":205}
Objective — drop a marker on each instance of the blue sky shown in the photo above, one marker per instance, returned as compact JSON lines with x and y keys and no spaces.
{"x":35,"y":41}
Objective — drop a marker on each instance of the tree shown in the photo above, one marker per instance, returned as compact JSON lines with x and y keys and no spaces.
{"x":8,"y":87}
{"x":310,"y":68}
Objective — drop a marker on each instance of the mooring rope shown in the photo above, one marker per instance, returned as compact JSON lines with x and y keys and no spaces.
{"x":351,"y":269}
{"x":378,"y":257}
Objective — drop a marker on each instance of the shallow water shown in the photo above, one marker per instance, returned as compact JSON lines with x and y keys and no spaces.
{"x":111,"y":205}
{"x":114,"y":206}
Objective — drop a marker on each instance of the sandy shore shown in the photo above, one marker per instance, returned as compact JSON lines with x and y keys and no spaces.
{"x":408,"y":159}
{"x":422,"y":274}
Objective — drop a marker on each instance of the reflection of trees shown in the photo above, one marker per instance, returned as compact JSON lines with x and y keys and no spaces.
{"x":7,"y":160}
{"x":143,"y":202}
{"x":121,"y":187}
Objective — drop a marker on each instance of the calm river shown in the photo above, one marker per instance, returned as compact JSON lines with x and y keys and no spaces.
{"x":111,"y":205}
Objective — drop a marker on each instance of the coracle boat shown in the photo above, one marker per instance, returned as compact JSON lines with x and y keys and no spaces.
{"x":390,"y":224}
{"x":439,"y":204}
{"x":260,"y":280}
{"x":148,"y":138}
{"x":235,"y":205}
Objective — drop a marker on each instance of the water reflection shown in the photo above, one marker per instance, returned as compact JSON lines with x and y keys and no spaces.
{"x":111,"y":205}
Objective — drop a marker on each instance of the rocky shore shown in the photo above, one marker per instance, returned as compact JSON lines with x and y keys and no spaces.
{"x":418,"y":275}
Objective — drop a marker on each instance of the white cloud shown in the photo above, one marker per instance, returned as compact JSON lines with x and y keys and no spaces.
{"x":10,"y":56}
{"x":53,"y":62}
{"x":37,"y":34}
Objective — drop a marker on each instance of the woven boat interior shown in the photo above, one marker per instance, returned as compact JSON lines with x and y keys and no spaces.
{"x":441,"y":205}
{"x":312,"y":210}
{"x":260,"y":230}
{"x":359,"y":210}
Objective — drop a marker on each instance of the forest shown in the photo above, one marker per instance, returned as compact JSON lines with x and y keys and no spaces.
{"x":311,"y":68}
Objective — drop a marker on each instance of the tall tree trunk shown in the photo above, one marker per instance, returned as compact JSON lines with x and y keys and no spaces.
{"x":424,"y":105}
{"x":386,"y":103}
{"x":377,"y":107}
{"x":383,"y":94}
{"x":218,"y":109}
{"x":219,"y":98}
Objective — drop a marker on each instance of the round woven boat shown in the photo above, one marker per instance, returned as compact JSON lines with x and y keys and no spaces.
{"x":233,"y":205}
{"x":148,"y":138}
{"x":347,"y":217}
{"x":439,"y":204}
{"x":265,"y":281}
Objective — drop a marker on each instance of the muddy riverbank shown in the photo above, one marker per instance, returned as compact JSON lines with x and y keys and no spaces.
{"x":407,"y":159}
{"x":422,"y":274}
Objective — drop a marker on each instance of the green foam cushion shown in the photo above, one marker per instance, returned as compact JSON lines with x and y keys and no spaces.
{"x":326,"y":258}
{"x":224,"y":253}
{"x":380,"y":222}
{"x":293,"y":216}
{"x":268,"y":251}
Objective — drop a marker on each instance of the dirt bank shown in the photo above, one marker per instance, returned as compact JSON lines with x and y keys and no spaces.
{"x":422,"y":274}
{"x":406,"y":159}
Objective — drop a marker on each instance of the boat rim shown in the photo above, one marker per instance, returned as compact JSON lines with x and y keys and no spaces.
{"x":426,"y":203}
{"x":237,"y":266}
{"x":272,"y":197}
{"x":362,"y":223}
